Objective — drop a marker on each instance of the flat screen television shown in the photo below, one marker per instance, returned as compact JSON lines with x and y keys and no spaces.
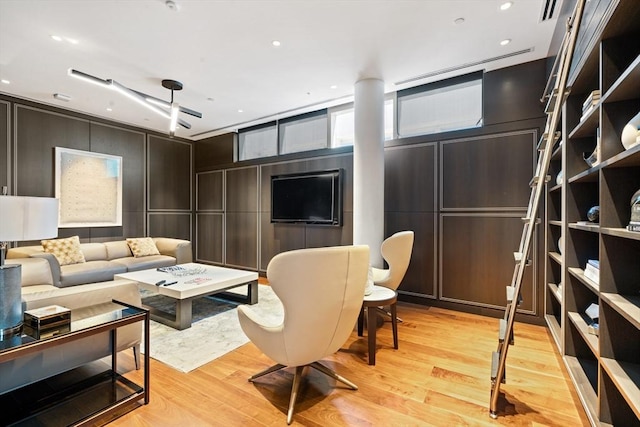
{"x":309,"y":198}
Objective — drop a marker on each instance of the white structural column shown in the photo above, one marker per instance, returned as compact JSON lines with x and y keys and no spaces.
{"x":368,"y":167}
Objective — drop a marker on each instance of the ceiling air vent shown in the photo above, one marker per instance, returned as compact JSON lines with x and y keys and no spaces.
{"x":548,"y":9}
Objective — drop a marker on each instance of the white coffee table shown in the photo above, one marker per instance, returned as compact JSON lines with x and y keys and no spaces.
{"x":212,"y":280}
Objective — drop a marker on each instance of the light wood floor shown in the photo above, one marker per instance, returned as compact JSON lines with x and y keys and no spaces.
{"x":439,"y":376}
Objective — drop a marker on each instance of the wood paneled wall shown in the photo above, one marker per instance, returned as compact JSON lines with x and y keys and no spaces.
{"x":462,"y":193}
{"x":157,"y":171}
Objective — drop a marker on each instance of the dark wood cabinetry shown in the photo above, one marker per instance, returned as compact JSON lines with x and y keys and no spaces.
{"x":605,"y":367}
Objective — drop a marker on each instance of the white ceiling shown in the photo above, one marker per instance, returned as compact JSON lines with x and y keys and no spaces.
{"x":223,"y":54}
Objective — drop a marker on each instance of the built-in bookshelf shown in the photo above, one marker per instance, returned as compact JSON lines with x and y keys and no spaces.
{"x":599,"y":262}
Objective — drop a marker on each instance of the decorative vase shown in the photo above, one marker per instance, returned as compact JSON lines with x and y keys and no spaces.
{"x":631,"y":132}
{"x":593,"y":214}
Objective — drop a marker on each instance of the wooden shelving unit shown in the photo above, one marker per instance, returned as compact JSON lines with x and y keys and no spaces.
{"x":605,"y":368}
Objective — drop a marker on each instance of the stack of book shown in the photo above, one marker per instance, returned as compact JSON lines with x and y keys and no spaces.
{"x":589,"y":103}
{"x":634,"y":223}
{"x":592,"y":270}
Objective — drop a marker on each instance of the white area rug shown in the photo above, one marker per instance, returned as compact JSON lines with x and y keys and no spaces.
{"x":215,"y":329}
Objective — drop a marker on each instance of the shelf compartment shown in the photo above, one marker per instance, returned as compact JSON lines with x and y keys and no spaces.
{"x":619,"y":266}
{"x":578,"y":273}
{"x":582,"y":327}
{"x":71,"y":403}
{"x":620,"y":232}
{"x":625,"y":379}
{"x":593,"y":227}
{"x":626,"y":305}
{"x":556,"y":257}
{"x":555,"y":329}
{"x":627,"y":85}
{"x":555,"y":291}
{"x":617,"y":187}
{"x":587,"y":125}
{"x":584,"y":374}
{"x":625,"y":159}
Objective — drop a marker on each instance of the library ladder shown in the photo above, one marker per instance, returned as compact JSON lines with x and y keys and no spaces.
{"x":555,"y":99}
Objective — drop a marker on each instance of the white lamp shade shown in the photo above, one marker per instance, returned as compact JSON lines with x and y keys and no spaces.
{"x":28,"y":218}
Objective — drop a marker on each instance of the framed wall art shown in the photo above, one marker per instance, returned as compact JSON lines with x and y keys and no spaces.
{"x":89,"y":187}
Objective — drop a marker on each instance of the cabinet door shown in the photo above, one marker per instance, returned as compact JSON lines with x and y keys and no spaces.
{"x":478,"y":249}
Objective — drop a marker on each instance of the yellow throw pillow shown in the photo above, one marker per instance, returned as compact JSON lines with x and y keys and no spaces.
{"x":142,"y":246}
{"x":67,"y":251}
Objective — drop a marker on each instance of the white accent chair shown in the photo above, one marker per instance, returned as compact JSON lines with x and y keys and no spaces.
{"x":321,"y":291}
{"x":396,"y":250}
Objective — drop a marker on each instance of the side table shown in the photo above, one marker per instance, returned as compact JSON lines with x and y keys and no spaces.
{"x":81,"y":400}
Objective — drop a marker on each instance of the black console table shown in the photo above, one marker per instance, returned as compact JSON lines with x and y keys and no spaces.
{"x":77,"y":399}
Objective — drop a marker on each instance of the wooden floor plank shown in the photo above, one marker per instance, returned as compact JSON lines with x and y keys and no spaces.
{"x":438,"y":377}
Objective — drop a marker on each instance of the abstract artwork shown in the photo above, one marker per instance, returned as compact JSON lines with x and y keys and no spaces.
{"x":89,"y":188}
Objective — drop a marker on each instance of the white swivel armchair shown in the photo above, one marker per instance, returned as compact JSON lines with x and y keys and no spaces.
{"x":321,"y":291}
{"x":396,"y":250}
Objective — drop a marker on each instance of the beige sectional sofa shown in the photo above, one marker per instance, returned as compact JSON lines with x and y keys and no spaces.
{"x":45,"y":282}
{"x":104,"y":260}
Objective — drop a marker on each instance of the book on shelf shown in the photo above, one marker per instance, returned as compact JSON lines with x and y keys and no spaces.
{"x":591,"y":101}
{"x":592,"y":273}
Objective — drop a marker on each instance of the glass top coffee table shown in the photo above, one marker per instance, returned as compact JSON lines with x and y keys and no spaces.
{"x":185,"y":282}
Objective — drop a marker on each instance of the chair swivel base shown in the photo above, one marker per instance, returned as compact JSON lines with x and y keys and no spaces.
{"x":296,"y":381}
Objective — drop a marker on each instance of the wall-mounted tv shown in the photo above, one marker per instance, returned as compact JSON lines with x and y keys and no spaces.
{"x":309,"y":198}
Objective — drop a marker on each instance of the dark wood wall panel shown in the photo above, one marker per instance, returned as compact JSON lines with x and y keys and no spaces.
{"x":209,"y":237}
{"x":276,"y":238}
{"x":410,"y":178}
{"x":317,"y":236}
{"x":165,"y":224}
{"x":420,"y":279}
{"x":169,"y":174}
{"x":38,"y":132}
{"x":491,"y":172}
{"x":210,"y":190}
{"x":242,"y":190}
{"x":242,"y":248}
{"x":513,"y":93}
{"x":211,"y":153}
{"x":130,"y":146}
{"x":476,"y":259}
{"x":4,"y":145}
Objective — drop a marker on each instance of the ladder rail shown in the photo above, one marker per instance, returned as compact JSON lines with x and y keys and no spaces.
{"x":565,"y":57}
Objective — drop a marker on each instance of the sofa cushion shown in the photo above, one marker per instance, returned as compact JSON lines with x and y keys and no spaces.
{"x":89,"y":272}
{"x":67,"y":251}
{"x":142,"y":246}
{"x":34,"y":271}
{"x":118,"y":249}
{"x":93,"y":251}
{"x":143,"y":263}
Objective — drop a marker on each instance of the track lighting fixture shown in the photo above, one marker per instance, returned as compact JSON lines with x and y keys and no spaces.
{"x":168,"y":110}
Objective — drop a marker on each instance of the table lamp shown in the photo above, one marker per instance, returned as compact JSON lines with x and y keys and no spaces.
{"x":23,"y":218}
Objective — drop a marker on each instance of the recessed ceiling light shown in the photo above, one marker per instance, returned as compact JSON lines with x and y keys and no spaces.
{"x":62,"y":97}
{"x":56,"y":38}
{"x":72,"y":41}
{"x":109,"y":109}
{"x":276,"y":43}
{"x":172,"y":5}
{"x":506,"y":5}
{"x":505,"y":42}
{"x":5,"y":81}
{"x":459,"y":21}
{"x":239,"y":111}
{"x":334,"y":86}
